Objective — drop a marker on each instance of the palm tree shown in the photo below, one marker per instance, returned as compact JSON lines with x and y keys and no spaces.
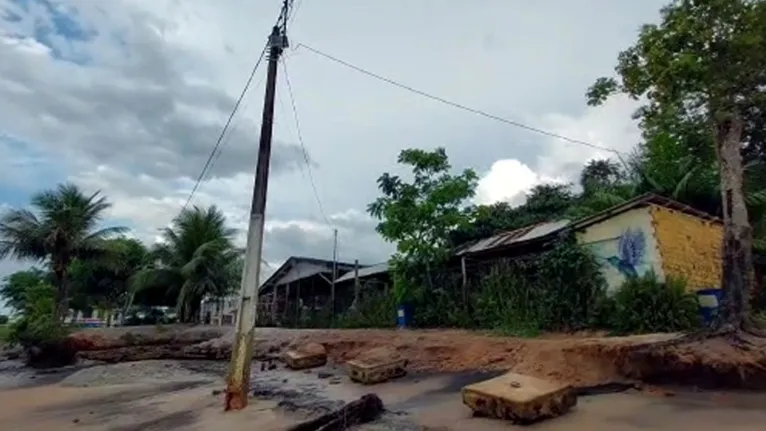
{"x":62,"y":225}
{"x":193,"y":260}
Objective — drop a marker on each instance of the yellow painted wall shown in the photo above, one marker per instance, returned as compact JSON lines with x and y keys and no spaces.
{"x":689,"y":247}
{"x":604,"y":240}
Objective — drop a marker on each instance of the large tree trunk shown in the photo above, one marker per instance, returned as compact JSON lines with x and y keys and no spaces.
{"x":738,"y":238}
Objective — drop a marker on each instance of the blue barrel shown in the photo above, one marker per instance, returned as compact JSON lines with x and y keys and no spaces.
{"x":710,"y":300}
{"x":404,"y":315}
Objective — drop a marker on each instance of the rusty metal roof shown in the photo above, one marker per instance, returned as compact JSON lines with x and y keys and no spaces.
{"x":517,"y":236}
{"x":365,"y":272}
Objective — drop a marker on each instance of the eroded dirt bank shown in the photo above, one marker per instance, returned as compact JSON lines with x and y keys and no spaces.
{"x":583,"y":360}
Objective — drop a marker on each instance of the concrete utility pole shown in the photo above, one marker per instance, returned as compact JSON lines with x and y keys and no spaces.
{"x":238,"y":381}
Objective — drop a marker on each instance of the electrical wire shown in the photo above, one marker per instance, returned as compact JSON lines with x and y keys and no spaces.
{"x":294,"y":8}
{"x":455,"y":104}
{"x":224,"y":129}
{"x":303,"y":145}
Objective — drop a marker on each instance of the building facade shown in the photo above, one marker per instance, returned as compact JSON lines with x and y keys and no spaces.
{"x":657,"y":235}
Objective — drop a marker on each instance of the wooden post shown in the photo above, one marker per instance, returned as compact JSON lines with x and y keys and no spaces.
{"x":273,"y":304}
{"x":357,"y":287}
{"x":465,"y":281}
{"x":287,"y":302}
{"x":297,"y":303}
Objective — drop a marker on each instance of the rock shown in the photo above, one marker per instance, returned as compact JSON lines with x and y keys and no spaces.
{"x":377,"y":365}
{"x":519,"y":398}
{"x":308,"y":355}
{"x":325,"y":375}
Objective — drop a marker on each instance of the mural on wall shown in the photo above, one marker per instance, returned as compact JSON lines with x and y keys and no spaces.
{"x":631,"y":253}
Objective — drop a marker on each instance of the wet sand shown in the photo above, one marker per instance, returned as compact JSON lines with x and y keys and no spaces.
{"x":285,"y":397}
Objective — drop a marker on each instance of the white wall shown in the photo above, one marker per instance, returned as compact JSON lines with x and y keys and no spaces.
{"x":633,"y":229}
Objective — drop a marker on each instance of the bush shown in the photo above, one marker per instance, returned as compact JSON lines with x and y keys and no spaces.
{"x":42,"y":336}
{"x":3,"y":319}
{"x":558,"y":290}
{"x":645,"y":305}
{"x":374,"y":310}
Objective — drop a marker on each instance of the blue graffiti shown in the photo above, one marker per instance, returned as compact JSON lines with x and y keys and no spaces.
{"x":631,"y":249}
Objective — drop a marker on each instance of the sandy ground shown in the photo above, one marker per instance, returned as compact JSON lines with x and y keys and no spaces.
{"x":179,"y":395}
{"x":173,"y":395}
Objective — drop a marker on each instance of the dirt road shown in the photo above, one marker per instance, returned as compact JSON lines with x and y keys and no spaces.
{"x":172,"y":395}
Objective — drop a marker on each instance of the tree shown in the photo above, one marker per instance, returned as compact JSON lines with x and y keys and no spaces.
{"x":705,"y":64}
{"x":601,"y":174}
{"x":419,"y":215}
{"x":107,"y":282}
{"x":194,"y":260}
{"x":61,"y":227}
{"x":15,"y":286}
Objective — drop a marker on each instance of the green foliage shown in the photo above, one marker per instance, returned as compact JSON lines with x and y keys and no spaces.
{"x":374,"y":310}
{"x":644,"y":305}
{"x":105,"y":282}
{"x":197,"y":258}
{"x":15,"y":286}
{"x":545,"y":202}
{"x":701,"y":72}
{"x":418,"y":216}
{"x":555,"y":291}
{"x":4,"y":319}
{"x":62,"y":226}
{"x":38,"y":325}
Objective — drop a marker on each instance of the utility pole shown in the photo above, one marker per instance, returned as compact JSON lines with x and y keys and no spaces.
{"x":238,"y":380}
{"x":334,"y":272}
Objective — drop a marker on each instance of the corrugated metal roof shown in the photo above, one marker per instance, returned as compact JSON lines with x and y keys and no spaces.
{"x":365,"y":272}
{"x":504,"y":239}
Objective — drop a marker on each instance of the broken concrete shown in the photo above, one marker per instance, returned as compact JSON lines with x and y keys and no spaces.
{"x":304,"y":356}
{"x":376,"y":366}
{"x":519,"y":398}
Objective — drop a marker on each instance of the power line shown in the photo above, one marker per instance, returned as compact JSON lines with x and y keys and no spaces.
{"x":455,"y":104}
{"x":303,"y":146}
{"x":295,"y":8}
{"x":225,"y":128}
{"x":215,"y":153}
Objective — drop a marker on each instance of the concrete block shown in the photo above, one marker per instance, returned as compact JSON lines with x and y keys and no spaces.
{"x":519,"y":398}
{"x":301,"y":357}
{"x":376,"y":366}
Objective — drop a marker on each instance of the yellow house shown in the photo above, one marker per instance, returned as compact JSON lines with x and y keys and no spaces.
{"x":655,"y":233}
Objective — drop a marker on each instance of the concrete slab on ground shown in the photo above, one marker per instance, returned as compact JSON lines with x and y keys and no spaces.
{"x":519,"y":398}
{"x":305,"y":356}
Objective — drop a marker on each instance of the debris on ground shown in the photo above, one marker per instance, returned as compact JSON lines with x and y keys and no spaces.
{"x":377,"y":365}
{"x":305,"y":355}
{"x":518,"y":398}
{"x":366,"y":409}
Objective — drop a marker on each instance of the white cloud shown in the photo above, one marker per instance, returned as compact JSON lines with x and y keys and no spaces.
{"x":508,"y":181}
{"x":609,"y":126}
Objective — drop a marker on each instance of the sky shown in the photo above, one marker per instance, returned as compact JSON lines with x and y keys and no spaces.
{"x":127,"y":97}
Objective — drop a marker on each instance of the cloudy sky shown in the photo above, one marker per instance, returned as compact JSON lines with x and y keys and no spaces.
{"x":128,"y":97}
